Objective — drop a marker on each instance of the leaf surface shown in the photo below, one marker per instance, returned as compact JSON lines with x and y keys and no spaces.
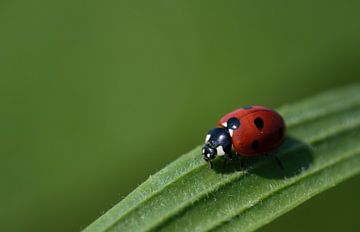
{"x":321,"y":149}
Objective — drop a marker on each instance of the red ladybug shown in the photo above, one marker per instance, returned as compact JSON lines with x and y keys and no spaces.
{"x":249,"y":131}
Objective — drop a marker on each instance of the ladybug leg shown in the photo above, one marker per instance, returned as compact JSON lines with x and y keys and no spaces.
{"x":278,"y":161}
{"x":225,"y":161}
{"x":241,"y":163}
{"x":226,"y":158}
{"x":230,"y":156}
{"x":239,"y":159}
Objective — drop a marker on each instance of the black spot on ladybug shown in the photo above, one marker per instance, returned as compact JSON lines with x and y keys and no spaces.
{"x":233,"y":123}
{"x":247,"y":107}
{"x":281,"y":132}
{"x":255,"y":145}
{"x":259,"y":123}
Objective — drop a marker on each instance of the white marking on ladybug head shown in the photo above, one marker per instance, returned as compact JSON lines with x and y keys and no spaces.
{"x":224,"y":124}
{"x":207,"y":138}
{"x":220,"y":151}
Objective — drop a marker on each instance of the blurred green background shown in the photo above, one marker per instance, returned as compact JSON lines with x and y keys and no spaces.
{"x":98,"y":95}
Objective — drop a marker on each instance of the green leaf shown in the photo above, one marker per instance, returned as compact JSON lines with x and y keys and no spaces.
{"x":322,"y":149}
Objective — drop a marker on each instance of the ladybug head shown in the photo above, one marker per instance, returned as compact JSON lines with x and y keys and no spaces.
{"x":208,"y":152}
{"x":217,"y":143}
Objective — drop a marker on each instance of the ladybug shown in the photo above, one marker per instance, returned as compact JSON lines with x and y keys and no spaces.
{"x":248,"y":131}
